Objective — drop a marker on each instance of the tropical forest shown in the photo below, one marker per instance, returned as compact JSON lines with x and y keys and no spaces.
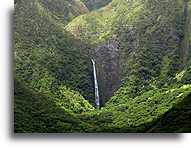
{"x":102,"y":66}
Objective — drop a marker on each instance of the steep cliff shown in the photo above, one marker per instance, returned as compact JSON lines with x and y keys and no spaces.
{"x":107,"y":59}
{"x":187,"y":31}
{"x":95,"y":4}
{"x":142,"y":51}
{"x":142,"y":29}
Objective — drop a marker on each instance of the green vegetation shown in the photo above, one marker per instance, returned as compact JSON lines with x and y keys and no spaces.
{"x":47,"y":57}
{"x":54,"y":41}
{"x":38,"y":112}
{"x":176,"y":119}
{"x":93,"y":27}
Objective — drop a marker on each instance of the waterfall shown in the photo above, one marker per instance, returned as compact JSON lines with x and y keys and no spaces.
{"x":97,"y":99}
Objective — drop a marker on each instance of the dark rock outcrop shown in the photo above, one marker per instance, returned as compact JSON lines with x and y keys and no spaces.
{"x":107,"y":60}
{"x":95,"y":4}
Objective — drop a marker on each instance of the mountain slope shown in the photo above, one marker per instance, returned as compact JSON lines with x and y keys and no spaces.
{"x":93,"y":27}
{"x":142,"y":113}
{"x":142,"y":50}
{"x":176,"y":120}
{"x":37,"y":112}
{"x":44,"y":99}
{"x":142,"y":28}
{"x":47,"y":57}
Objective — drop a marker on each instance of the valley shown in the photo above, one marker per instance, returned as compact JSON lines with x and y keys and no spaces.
{"x":134,"y":56}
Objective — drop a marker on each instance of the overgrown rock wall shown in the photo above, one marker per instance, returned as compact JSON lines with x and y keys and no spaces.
{"x":107,"y":60}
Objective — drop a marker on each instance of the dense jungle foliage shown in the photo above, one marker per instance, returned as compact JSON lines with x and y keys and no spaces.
{"x":54,"y":42}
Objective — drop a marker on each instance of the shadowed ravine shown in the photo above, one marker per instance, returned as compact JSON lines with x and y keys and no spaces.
{"x":92,"y":66}
{"x":107,"y":58}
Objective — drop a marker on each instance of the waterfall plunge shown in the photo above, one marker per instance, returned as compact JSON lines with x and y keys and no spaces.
{"x":97,"y":99}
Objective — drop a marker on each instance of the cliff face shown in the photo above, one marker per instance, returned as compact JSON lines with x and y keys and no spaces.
{"x":107,"y":60}
{"x":187,"y":30}
{"x":143,"y":28}
{"x":95,"y":4}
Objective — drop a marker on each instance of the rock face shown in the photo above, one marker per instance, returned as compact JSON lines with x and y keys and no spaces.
{"x":95,"y":4}
{"x":187,"y":30}
{"x":78,"y":6}
{"x":107,"y":60}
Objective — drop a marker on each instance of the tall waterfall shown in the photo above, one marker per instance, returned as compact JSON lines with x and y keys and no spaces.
{"x":97,"y":99}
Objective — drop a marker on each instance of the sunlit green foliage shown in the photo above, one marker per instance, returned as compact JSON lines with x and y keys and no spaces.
{"x":46,"y":56}
{"x":38,"y":112}
{"x":53,"y":45}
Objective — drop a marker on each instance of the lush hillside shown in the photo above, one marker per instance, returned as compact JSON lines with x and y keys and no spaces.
{"x":142,"y":50}
{"x":65,"y":10}
{"x":142,"y":29}
{"x":141,"y":113}
{"x":93,"y":27}
{"x":176,"y":119}
{"x":46,"y":56}
{"x":37,"y":112}
{"x":61,"y":10}
{"x":160,"y":34}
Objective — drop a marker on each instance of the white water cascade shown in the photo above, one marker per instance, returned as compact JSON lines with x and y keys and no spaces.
{"x":97,"y":99}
